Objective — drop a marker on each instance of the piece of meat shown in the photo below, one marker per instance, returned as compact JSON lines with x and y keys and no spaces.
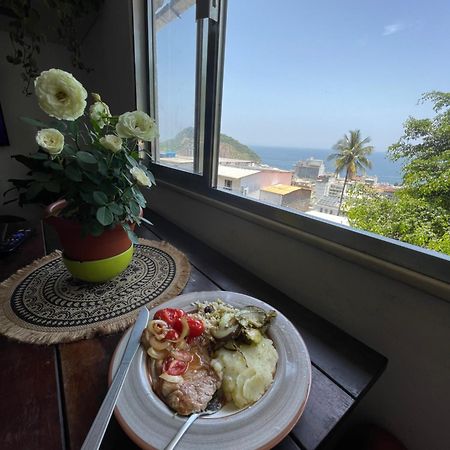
{"x":200,"y":382}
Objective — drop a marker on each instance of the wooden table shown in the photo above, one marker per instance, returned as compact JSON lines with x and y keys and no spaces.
{"x":51,"y":394}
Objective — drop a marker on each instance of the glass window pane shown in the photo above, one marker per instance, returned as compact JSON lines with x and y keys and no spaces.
{"x":175,"y":36}
{"x":323,"y":108}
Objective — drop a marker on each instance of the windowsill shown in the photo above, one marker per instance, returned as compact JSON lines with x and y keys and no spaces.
{"x":423,"y":269}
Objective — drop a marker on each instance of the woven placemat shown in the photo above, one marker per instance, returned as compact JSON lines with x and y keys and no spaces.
{"x":43,"y":304}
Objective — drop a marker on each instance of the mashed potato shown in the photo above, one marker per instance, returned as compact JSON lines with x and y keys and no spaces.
{"x":246,"y":372}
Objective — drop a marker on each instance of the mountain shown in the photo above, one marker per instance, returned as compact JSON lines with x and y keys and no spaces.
{"x":183,"y":145}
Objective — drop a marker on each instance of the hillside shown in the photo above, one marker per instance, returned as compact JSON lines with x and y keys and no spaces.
{"x":183,"y":144}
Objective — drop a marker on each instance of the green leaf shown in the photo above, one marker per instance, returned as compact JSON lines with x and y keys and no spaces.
{"x":100,"y":198}
{"x":34,"y":190}
{"x":39,"y":156}
{"x":104,"y":216}
{"x":133,"y":238}
{"x":139,"y":197}
{"x":68,"y":150}
{"x":131,"y":160}
{"x":87,"y":197}
{"x":52,"y":186}
{"x":59,"y":125}
{"x":73,"y":173}
{"x":151,"y":177}
{"x":34,"y":123}
{"x":86,"y":158}
{"x":91,"y":227}
{"x":54,"y":166}
{"x":41,"y":176}
{"x":93,"y":177}
{"x":116,"y":208}
{"x":103,"y":168}
{"x":134,"y":208}
{"x":96,"y":229}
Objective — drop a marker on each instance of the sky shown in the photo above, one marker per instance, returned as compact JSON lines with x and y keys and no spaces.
{"x":302,"y":73}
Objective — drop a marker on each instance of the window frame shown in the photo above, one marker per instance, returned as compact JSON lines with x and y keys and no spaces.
{"x":422,"y":261}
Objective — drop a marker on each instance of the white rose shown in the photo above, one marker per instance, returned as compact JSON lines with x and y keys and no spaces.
{"x":60,"y":94}
{"x":51,"y":140}
{"x":111,"y":142}
{"x":140,"y":176}
{"x":99,"y":113}
{"x":96,"y":97}
{"x":136,"y":124}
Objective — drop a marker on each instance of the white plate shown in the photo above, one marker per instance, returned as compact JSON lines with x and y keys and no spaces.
{"x":151,"y":425}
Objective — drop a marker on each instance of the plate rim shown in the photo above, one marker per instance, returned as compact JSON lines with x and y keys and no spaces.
{"x":267,"y":446}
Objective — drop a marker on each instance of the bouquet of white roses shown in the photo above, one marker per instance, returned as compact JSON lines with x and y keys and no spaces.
{"x":91,"y":161}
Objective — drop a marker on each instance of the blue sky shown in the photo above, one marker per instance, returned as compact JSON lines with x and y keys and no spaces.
{"x":301,"y":73}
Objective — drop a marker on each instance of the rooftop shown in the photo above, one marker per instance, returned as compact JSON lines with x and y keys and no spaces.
{"x":281,"y":189}
{"x":329,"y":201}
{"x":332,"y":218}
{"x":310,"y":163}
{"x":235,"y":172}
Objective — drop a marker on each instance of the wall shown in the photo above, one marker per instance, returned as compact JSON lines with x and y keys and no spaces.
{"x":409,"y":327}
{"x":107,"y":47}
{"x":15,"y":104}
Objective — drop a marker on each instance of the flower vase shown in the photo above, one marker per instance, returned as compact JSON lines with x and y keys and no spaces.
{"x":92,"y":258}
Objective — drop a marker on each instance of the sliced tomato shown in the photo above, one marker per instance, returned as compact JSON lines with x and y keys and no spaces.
{"x":171,"y":316}
{"x":174,"y":367}
{"x":172,"y":335}
{"x":196,"y":326}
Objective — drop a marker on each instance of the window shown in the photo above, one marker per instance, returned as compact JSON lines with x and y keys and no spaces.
{"x":274,"y":106}
{"x":175,"y":77}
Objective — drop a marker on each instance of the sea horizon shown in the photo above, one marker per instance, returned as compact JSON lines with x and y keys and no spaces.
{"x":285,"y":158}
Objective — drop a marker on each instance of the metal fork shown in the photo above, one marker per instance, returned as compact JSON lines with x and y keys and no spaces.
{"x":212,"y":407}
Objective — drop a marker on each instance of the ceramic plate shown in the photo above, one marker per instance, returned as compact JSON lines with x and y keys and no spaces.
{"x":151,"y":424}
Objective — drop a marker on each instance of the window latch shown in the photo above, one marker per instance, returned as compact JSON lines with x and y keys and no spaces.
{"x":207,"y":9}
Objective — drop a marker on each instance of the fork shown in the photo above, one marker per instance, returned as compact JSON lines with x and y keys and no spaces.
{"x":212,"y":407}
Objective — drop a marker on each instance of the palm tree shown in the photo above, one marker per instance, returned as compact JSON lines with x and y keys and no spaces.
{"x":351,"y":155}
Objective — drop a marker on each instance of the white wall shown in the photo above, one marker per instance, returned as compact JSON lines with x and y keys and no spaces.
{"x":410,"y":328}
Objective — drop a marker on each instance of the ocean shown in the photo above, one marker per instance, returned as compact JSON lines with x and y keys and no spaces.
{"x":386,"y":170}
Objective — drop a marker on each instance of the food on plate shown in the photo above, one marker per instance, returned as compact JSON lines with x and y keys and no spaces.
{"x":247,"y":371}
{"x":216,"y":348}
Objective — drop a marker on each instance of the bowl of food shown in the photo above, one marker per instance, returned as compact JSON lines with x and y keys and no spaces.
{"x":203,"y":344}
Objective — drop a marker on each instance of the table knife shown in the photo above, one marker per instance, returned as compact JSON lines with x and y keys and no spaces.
{"x":98,"y":427}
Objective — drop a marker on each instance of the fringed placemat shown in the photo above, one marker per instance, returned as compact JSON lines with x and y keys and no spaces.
{"x":43,"y":304}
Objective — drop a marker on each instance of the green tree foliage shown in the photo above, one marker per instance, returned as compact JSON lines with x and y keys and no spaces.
{"x":419,"y":212}
{"x":351,"y":156}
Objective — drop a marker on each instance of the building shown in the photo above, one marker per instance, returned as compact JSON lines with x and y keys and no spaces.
{"x":386,"y":190}
{"x":310,"y":169}
{"x":246,"y":182}
{"x":245,"y":163}
{"x":328,"y":205}
{"x":286,"y":196}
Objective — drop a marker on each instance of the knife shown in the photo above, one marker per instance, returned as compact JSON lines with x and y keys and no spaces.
{"x":98,"y":427}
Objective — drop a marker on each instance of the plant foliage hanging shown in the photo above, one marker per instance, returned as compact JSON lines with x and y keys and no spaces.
{"x":28,"y":33}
